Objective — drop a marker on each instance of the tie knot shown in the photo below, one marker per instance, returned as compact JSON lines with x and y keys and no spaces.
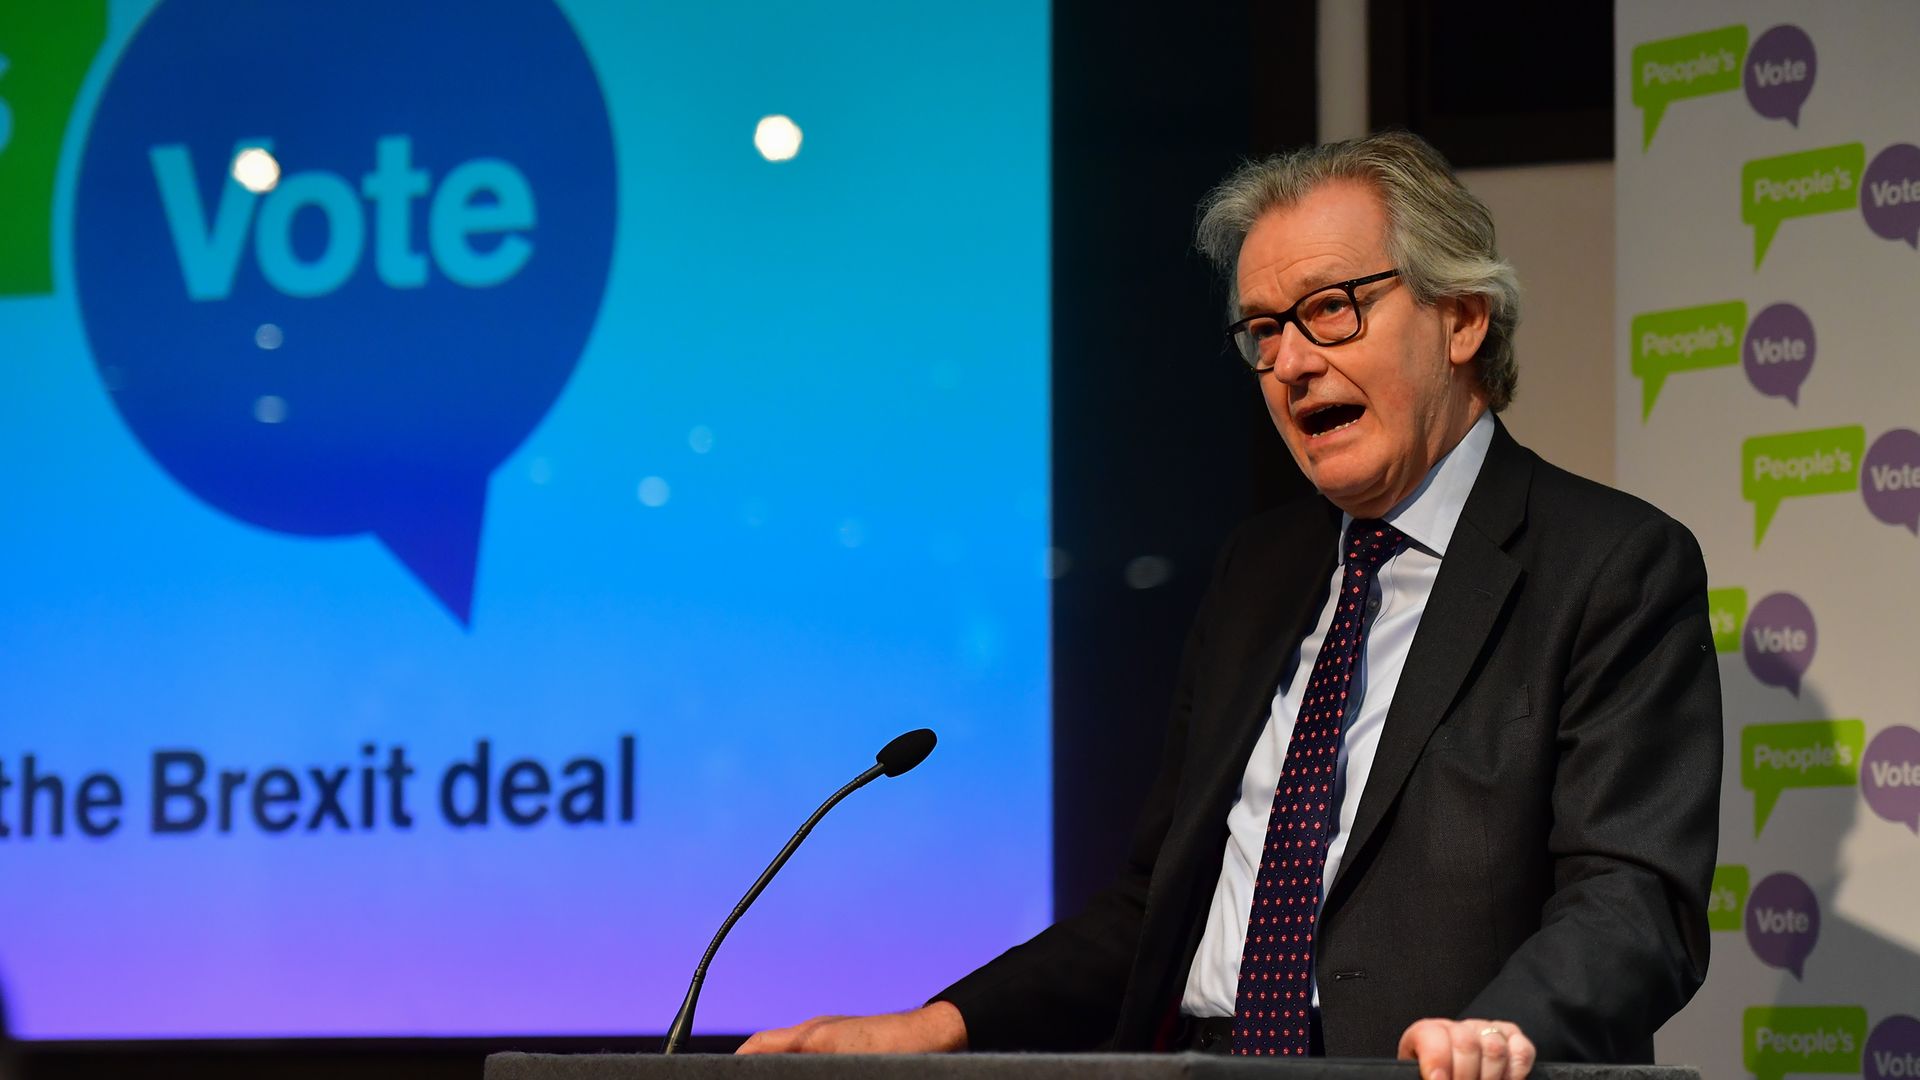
{"x":1372,"y":541}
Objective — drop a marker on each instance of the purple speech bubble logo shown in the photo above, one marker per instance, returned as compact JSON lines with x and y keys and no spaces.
{"x":1890,"y":195}
{"x":1780,"y":640}
{"x":1783,"y":922}
{"x":1890,"y":777}
{"x":1778,"y":353}
{"x":1779,"y":73}
{"x":1893,"y":1050}
{"x":1890,"y":479}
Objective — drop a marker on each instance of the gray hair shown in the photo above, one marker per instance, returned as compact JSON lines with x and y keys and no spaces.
{"x":1438,"y":234}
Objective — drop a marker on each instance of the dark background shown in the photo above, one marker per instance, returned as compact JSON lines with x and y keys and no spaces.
{"x":1160,"y":441}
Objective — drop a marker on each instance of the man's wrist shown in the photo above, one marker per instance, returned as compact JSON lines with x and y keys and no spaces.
{"x":946,"y":1028}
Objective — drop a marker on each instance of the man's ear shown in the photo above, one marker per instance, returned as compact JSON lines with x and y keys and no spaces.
{"x":1469,"y":318}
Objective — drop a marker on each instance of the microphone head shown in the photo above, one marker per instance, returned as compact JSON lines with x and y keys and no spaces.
{"x":905,"y":752}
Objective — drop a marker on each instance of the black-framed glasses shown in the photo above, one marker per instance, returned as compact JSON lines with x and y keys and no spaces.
{"x":1328,"y":315}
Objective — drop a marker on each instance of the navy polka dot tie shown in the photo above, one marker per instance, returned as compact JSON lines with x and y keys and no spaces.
{"x":1270,"y":1008}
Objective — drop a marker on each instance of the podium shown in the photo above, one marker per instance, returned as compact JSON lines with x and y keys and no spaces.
{"x":999,"y":1067}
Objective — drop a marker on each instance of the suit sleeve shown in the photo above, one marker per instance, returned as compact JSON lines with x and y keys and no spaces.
{"x":1623,"y":939}
{"x":1062,"y":989}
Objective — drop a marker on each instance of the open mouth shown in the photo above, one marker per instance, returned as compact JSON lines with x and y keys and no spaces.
{"x":1326,"y":419}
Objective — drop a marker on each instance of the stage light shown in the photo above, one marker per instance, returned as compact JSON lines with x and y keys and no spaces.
{"x":777,"y":138}
{"x":654,"y":492}
{"x":256,"y":170}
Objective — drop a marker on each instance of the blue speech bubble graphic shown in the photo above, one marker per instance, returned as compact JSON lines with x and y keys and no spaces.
{"x":355,"y":347}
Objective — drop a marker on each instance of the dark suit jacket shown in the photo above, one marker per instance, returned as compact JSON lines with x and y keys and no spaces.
{"x":1536,"y":840}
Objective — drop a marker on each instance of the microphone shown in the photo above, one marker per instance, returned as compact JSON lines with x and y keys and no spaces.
{"x":897,"y":757}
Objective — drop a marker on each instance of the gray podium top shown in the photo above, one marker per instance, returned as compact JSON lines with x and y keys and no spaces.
{"x":994,"y":1066}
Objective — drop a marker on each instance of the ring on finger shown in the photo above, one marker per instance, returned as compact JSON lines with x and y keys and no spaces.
{"x":1486,"y":1031}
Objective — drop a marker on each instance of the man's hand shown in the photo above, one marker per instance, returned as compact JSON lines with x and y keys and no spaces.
{"x":930,"y":1029}
{"x":1468,"y":1049}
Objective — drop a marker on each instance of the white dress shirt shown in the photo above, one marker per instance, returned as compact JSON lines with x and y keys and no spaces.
{"x":1398,"y":599}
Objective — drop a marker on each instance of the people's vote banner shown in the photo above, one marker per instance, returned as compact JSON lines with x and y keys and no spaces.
{"x":1768,"y":186}
{"x":477,"y":475}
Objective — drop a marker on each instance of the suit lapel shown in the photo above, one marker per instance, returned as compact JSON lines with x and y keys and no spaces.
{"x":1286,"y":609}
{"x":1275,"y":607}
{"x":1475,"y":579}
{"x":1284,"y":600}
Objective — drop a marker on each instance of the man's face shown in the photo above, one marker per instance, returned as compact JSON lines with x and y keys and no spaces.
{"x":1365,"y":419}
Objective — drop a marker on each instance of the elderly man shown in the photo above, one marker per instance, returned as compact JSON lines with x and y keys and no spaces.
{"x":1442,"y":777}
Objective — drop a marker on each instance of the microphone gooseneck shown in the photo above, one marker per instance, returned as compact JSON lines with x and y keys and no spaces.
{"x":897,"y":757}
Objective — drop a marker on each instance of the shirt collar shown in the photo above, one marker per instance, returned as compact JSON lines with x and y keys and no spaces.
{"x":1428,"y":516}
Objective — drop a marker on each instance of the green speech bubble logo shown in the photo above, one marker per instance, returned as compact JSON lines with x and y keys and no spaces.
{"x":1692,"y":65}
{"x":1795,"y":463}
{"x":1796,"y":185}
{"x":1782,"y":1039}
{"x":1683,"y":339}
{"x":1727,"y":903}
{"x":45,"y":50}
{"x":1726,"y":611}
{"x":1803,"y":754}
